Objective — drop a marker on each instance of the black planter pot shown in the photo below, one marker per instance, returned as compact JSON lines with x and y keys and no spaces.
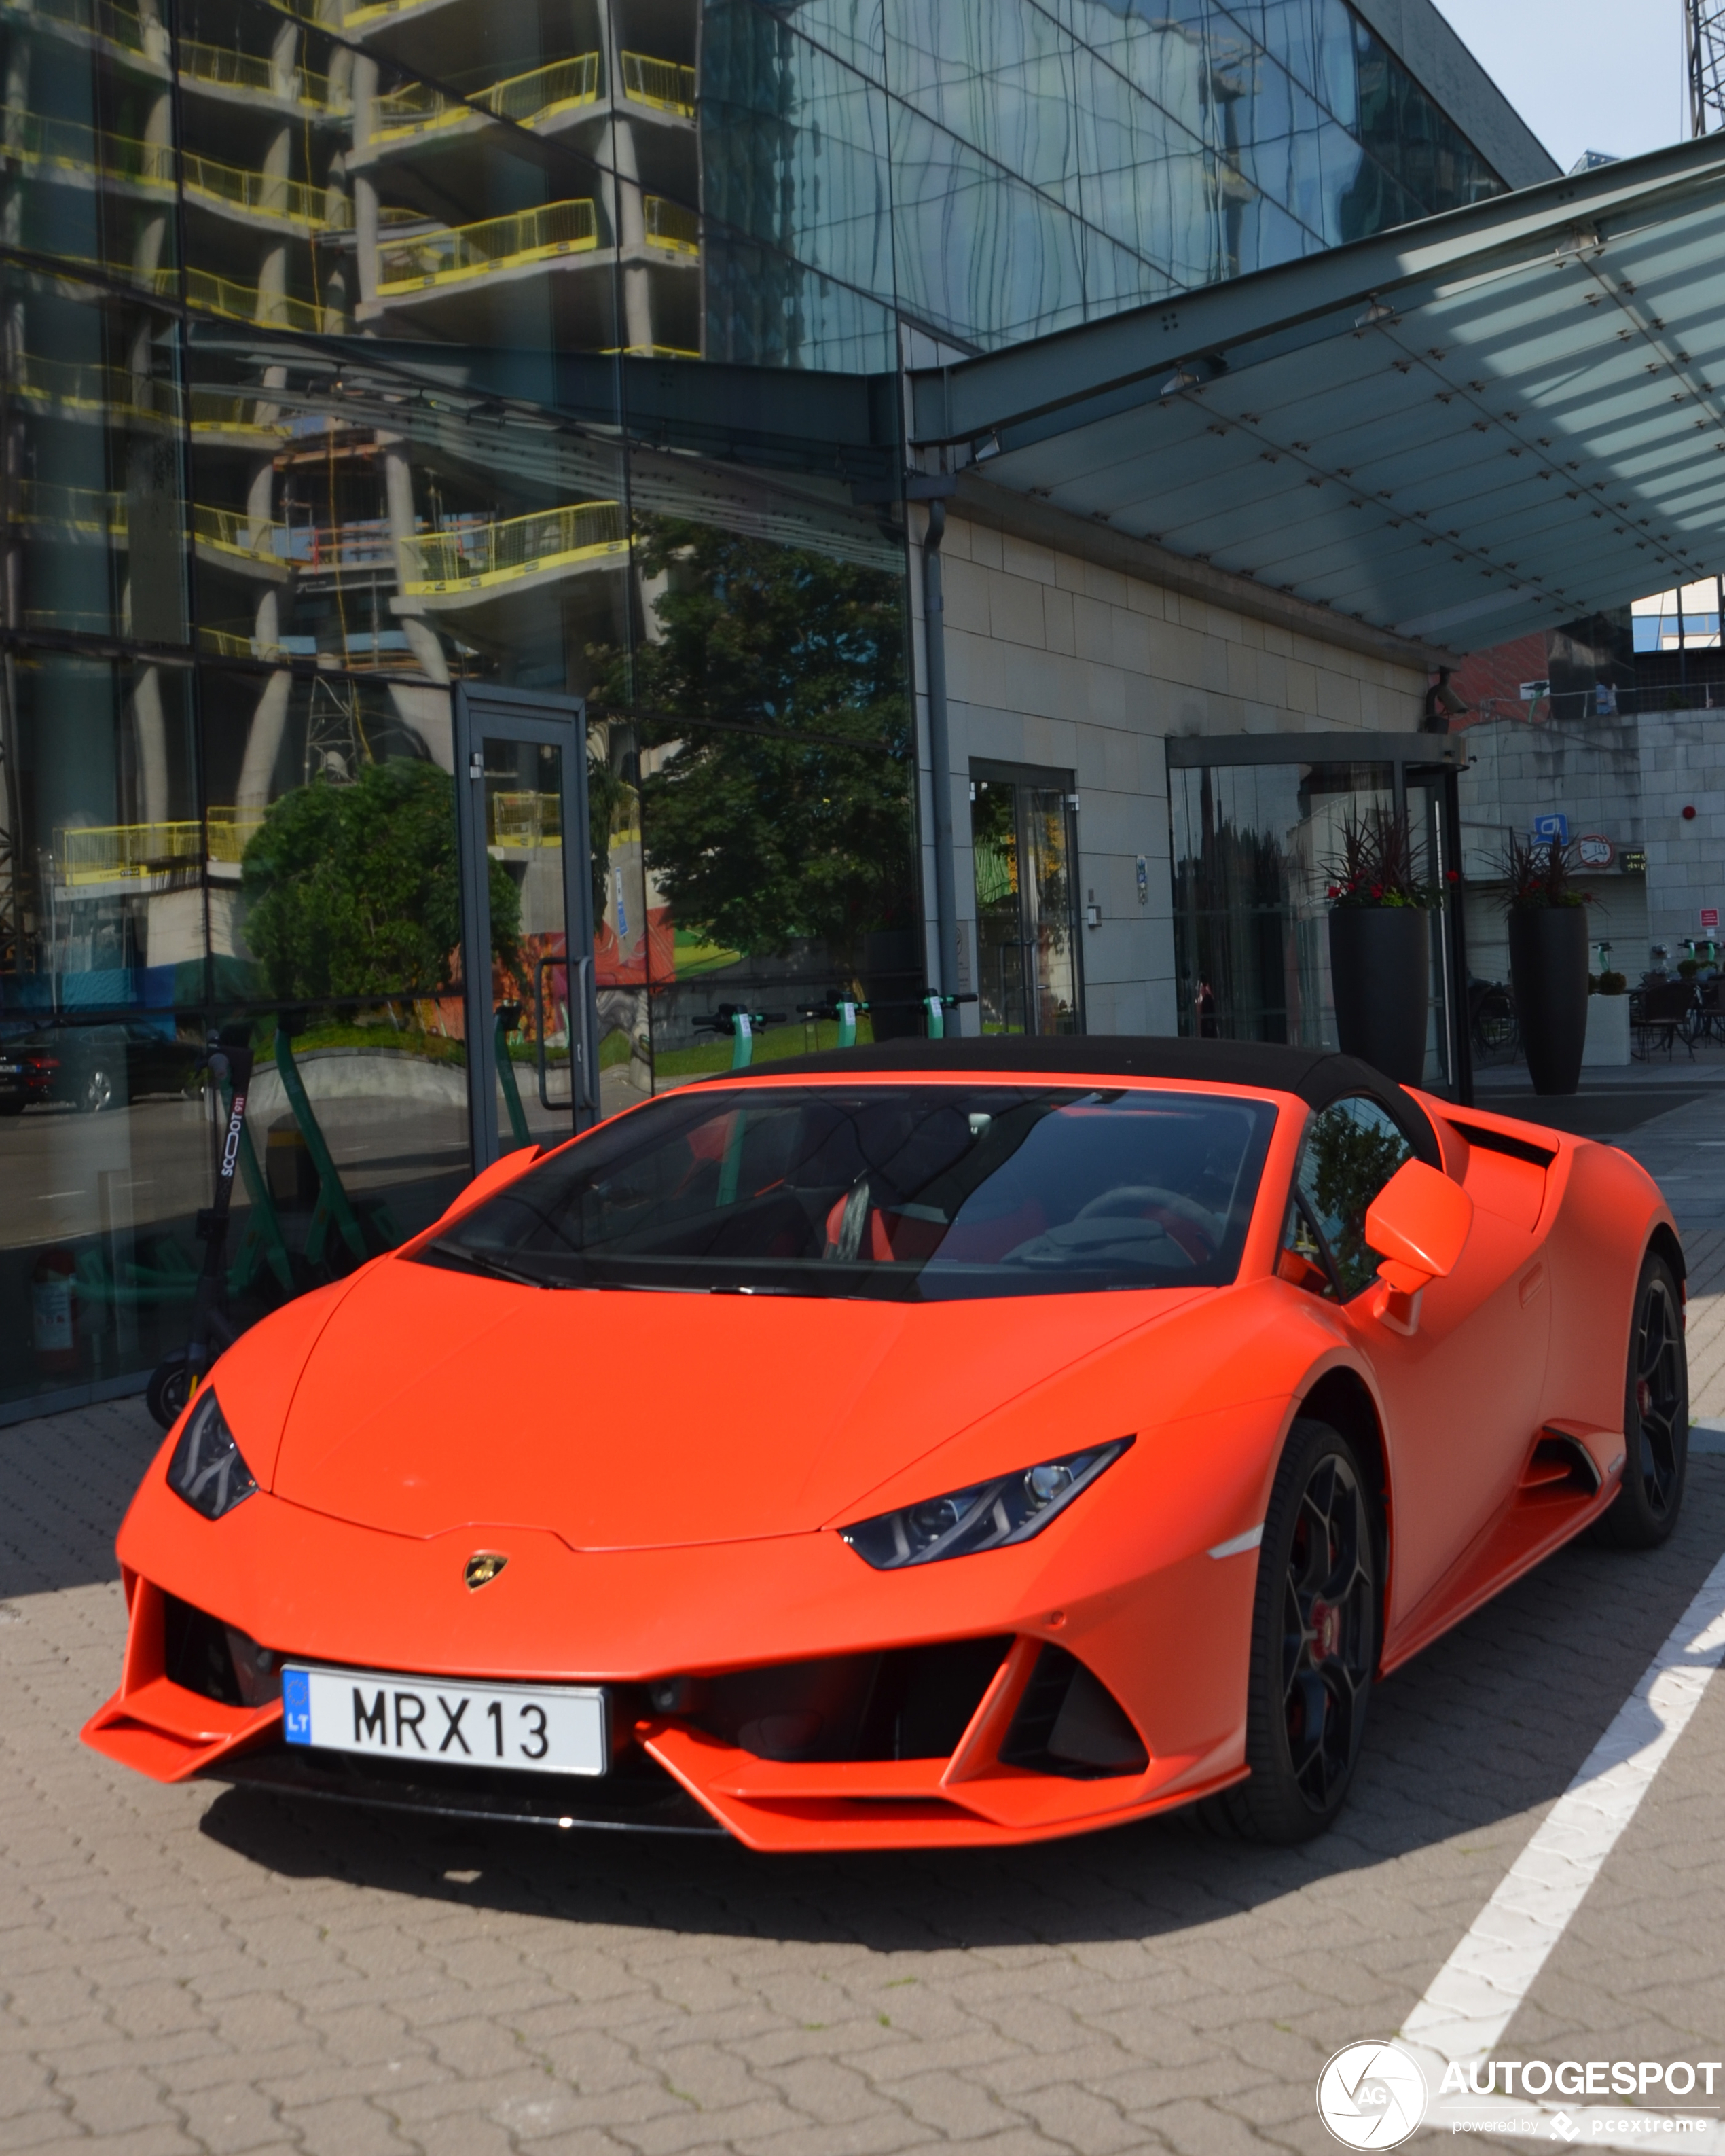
{"x":1380,"y":966}
{"x":893,"y":982}
{"x":1547,"y":963}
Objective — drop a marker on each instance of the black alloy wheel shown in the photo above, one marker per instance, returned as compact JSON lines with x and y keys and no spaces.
{"x":1655,"y":1416}
{"x":1314,"y":1643}
{"x":97,"y":1090}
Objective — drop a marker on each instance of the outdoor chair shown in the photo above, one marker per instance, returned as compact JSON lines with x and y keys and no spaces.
{"x":1660,"y":1015}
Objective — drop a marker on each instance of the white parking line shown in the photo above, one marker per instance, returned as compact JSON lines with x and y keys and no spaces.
{"x":1473,"y":1998}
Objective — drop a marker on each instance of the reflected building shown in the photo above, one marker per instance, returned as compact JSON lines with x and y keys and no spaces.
{"x":361,"y":354}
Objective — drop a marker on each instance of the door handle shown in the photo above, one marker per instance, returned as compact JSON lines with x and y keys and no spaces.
{"x":587,"y":1090}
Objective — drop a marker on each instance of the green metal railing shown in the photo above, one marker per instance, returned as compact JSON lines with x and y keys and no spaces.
{"x":472,"y":557}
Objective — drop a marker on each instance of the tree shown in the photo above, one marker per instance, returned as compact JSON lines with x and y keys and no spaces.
{"x":760,"y":839}
{"x":355,"y":891}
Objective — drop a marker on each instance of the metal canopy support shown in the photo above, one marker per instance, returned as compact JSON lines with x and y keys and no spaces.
{"x":1477,"y":425}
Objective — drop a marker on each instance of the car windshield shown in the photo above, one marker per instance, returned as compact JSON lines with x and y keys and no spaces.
{"x":918,"y":1193}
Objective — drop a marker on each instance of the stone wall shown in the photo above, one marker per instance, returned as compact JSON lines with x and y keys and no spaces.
{"x":1055,"y":661}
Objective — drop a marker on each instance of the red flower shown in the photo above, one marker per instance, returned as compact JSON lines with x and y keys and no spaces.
{"x":1334,"y":891}
{"x":1452,"y":875}
{"x":1377,"y":891}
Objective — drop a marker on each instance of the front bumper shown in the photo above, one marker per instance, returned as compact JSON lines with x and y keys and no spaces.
{"x":1163,"y":1655}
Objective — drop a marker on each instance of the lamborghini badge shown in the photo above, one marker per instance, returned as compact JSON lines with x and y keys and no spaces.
{"x":482,"y":1568}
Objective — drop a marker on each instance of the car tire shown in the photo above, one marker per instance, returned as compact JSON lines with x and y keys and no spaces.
{"x":1315,"y":1623}
{"x":169,"y":1390}
{"x":97,"y":1092}
{"x":1656,"y":1417}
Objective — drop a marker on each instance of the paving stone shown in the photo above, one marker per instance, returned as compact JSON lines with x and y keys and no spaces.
{"x":227,"y":1973}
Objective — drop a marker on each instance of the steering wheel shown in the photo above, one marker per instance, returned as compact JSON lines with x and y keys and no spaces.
{"x":1186,"y":1224}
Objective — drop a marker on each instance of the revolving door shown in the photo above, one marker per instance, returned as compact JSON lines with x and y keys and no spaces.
{"x":1257,"y":824}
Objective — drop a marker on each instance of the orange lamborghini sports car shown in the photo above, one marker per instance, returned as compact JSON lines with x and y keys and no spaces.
{"x":943,"y":1443}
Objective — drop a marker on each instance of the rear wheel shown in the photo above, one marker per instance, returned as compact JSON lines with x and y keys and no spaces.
{"x":1656,"y":1417}
{"x":98,"y":1090}
{"x":1314,"y":1643}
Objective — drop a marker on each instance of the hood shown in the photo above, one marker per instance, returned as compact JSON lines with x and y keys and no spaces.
{"x":433,"y":1400}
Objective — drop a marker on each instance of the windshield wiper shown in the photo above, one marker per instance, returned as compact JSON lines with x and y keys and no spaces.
{"x":483,"y":1262}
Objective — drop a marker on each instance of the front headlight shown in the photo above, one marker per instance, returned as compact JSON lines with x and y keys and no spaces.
{"x":208,"y":1470}
{"x":988,"y":1516}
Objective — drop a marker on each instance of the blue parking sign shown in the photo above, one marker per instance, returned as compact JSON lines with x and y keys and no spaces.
{"x":1551,"y":830}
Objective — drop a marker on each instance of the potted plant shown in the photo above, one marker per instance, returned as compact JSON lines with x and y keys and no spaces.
{"x":1380,"y":945}
{"x":1547,"y":961}
{"x":1607,"y":1009}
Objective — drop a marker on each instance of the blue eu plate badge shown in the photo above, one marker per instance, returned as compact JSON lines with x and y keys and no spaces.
{"x":296,"y":1705}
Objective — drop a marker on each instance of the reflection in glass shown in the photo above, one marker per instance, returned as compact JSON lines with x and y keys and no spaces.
{"x":769,"y":767}
{"x":902,"y":1192}
{"x":1023,"y":846}
{"x":1252,"y":848}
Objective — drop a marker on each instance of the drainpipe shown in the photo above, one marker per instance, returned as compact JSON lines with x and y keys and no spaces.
{"x":940,"y":750}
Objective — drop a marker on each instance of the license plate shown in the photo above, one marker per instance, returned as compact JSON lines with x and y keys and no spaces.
{"x":547,"y":1729}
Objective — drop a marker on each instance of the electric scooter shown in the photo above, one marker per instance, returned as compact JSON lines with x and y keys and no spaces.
{"x":177,"y":1377}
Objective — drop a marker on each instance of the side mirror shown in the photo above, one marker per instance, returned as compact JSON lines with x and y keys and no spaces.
{"x":1419,"y":1220}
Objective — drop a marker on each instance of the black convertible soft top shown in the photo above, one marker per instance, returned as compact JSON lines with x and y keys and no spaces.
{"x":1316,"y":1075}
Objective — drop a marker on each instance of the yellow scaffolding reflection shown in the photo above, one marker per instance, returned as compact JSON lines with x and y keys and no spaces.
{"x":68,"y":146}
{"x":222,"y":67}
{"x":233,"y":531}
{"x":231,"y":830}
{"x":260,"y":195}
{"x":670,"y":226}
{"x":100,"y":393}
{"x":123,"y":853}
{"x":661,"y":84}
{"x":476,"y":557}
{"x":245,"y":303}
{"x":451,"y":254}
{"x":417,"y":108}
{"x":88,"y":511}
{"x":517,"y":822}
{"x":214,"y":412}
{"x":119,"y":30}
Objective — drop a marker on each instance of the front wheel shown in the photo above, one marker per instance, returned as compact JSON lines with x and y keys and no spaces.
{"x":170,"y":1388}
{"x":1656,"y":1417}
{"x":1314,"y":1643}
{"x":98,"y":1091}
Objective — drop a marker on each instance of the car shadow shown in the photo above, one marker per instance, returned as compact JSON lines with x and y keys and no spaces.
{"x":1491,"y":1722}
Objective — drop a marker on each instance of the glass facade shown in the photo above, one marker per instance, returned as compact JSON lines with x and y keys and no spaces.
{"x":354,"y":351}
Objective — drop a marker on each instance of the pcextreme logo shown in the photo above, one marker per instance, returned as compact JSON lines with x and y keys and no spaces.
{"x":1372,"y":2095}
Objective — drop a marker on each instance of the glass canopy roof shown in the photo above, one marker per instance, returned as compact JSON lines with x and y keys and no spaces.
{"x":1475,"y":426}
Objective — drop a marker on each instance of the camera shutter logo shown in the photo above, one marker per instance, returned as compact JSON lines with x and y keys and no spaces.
{"x":1372,"y":2095}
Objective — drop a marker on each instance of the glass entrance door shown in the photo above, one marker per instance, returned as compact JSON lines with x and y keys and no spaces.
{"x":526,"y":919}
{"x":1024,"y":847}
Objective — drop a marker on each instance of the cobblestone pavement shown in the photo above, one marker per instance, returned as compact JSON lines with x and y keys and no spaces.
{"x":190,"y":1969}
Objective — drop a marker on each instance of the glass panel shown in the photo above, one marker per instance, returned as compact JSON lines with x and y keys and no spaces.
{"x":1021,"y":851}
{"x":103,"y":1150}
{"x":87,"y":128}
{"x":903,"y":1193}
{"x":999,"y":926}
{"x":1252,"y":846}
{"x":530,"y":940}
{"x":759,"y":804}
{"x":333,"y":893}
{"x":91,"y":507}
{"x":1051,"y":913}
